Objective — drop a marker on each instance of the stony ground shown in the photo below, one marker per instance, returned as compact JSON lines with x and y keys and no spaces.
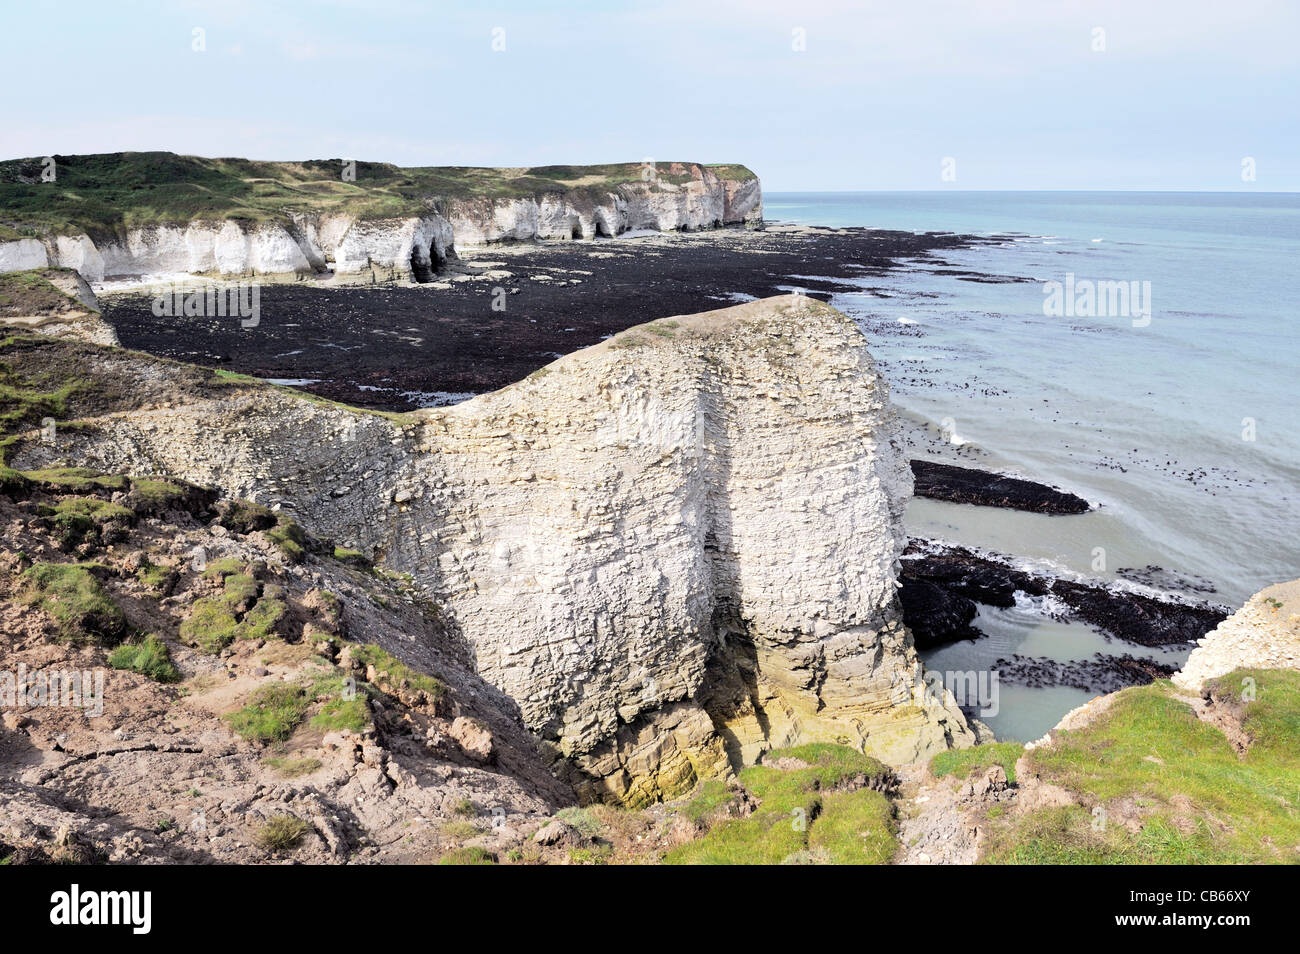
{"x":391,"y":749}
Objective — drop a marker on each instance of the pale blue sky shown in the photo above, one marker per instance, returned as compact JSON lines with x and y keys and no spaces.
{"x":883,"y":92}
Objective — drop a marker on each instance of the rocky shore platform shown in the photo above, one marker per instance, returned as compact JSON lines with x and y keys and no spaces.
{"x":1104,"y":672}
{"x":941,"y":585}
{"x":500,"y":312}
{"x":973,"y":486}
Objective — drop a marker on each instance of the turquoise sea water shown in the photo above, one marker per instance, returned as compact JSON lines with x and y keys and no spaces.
{"x":1181,"y":427}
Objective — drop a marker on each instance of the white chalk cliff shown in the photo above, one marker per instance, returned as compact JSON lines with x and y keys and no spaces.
{"x":1263,"y":634}
{"x":674,"y":549}
{"x":405,"y":248}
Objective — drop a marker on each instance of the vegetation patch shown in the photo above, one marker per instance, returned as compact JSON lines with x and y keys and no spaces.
{"x":281,"y":833}
{"x":31,"y":293}
{"x":964,"y":763}
{"x":347,"y":707}
{"x":222,"y":568}
{"x":1157,"y":785}
{"x":290,"y":538}
{"x":272,"y":713}
{"x":833,"y":790}
{"x":393,"y":676}
{"x":81,"y":607}
{"x":293,"y":767}
{"x":149,"y":657}
{"x":211,"y":625}
{"x":157,"y":579}
{"x":264,"y":619}
{"x":244,"y":516}
{"x":470,"y":855}
{"x":77,"y":480}
{"x":352,"y":558}
{"x":155,"y":495}
{"x":215,"y":621}
{"x":710,"y":796}
{"x":88,"y":520}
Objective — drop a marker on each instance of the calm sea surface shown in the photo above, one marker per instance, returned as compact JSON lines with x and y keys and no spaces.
{"x":1179,"y":421}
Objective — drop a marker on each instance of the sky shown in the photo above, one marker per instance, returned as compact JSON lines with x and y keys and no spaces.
{"x":918,"y":94}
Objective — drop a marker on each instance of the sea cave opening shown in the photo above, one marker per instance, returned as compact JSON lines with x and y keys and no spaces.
{"x":425,"y":268}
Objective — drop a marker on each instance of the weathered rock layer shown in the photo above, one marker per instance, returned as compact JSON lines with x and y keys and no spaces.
{"x":675,"y":549}
{"x":1263,"y":634}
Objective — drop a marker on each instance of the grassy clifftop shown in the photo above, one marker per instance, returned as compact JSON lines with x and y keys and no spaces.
{"x":102,"y":194}
{"x":1153,"y":782}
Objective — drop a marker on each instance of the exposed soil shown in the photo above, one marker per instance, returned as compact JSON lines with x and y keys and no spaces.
{"x":397,"y":347}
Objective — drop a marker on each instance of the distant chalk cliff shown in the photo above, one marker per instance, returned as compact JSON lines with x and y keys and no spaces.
{"x":292,"y":220}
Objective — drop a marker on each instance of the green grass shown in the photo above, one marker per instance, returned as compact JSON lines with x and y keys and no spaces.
{"x":156,"y":495}
{"x":244,"y":516}
{"x":77,"y":480}
{"x":24,"y":403}
{"x":281,"y":833}
{"x":241,"y":589}
{"x":1186,"y":794}
{"x":211,"y":625}
{"x":709,"y":796}
{"x":154,"y":577}
{"x":223,"y":567}
{"x":459,"y":830}
{"x":352,"y":557}
{"x":290,"y":538}
{"x":87,"y":520}
{"x":346,"y":705}
{"x":344,"y":714}
{"x":82,"y":609}
{"x":103,"y":194}
{"x":272,"y":713}
{"x":964,"y":763}
{"x":238,"y":613}
{"x":391,"y":670}
{"x":856,"y":826}
{"x":263,"y":620}
{"x":149,"y":657}
{"x":472,"y":855}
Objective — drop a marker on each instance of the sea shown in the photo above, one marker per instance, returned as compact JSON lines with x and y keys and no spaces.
{"x":1139,"y":349}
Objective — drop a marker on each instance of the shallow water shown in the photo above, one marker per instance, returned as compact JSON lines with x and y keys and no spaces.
{"x":1180,"y":429}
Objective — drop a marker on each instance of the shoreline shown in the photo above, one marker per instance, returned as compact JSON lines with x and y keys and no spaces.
{"x":550,"y":299}
{"x":444,"y":341}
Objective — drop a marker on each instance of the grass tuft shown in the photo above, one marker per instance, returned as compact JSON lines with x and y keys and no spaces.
{"x":281,"y":833}
{"x":149,"y":657}
{"x":272,"y":713}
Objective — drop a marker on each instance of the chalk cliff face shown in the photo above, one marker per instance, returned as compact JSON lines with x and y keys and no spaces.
{"x":675,"y":549}
{"x":703,"y":201}
{"x":1263,"y":634}
{"x":406,"y":248}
